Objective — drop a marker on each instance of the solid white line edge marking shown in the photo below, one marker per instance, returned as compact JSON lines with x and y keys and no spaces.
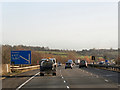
{"x":27,"y":81}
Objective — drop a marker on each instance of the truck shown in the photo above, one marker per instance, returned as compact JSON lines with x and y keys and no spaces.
{"x":48,"y":66}
{"x":77,"y":62}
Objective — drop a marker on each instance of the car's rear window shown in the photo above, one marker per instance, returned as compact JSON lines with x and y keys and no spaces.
{"x":68,"y":63}
{"x":82,"y":61}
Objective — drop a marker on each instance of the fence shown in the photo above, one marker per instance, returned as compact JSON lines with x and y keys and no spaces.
{"x":7,"y":68}
{"x":14,"y":68}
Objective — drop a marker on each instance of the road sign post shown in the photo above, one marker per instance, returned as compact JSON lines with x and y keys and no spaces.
{"x":93,"y":57}
{"x":20,"y":57}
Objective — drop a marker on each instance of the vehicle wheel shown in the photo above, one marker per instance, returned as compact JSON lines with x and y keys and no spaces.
{"x":79,"y":67}
{"x":71,"y":68}
{"x":65,"y":68}
{"x":41,"y":74}
{"x":86,"y":66}
{"x":54,"y":74}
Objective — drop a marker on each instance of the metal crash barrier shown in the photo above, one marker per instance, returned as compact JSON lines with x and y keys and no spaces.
{"x":107,"y":67}
{"x":14,"y":68}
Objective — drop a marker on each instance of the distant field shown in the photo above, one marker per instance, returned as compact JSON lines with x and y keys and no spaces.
{"x":54,"y":53}
{"x":64,"y":54}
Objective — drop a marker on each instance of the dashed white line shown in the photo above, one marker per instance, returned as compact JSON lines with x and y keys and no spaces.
{"x":64,"y":81}
{"x":106,"y":80}
{"x":68,"y":87}
{"x":61,"y":73}
{"x":27,"y":81}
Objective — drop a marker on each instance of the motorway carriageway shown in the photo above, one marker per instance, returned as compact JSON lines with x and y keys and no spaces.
{"x":66,"y":78}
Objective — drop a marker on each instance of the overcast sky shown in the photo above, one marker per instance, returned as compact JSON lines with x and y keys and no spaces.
{"x":79,"y":25}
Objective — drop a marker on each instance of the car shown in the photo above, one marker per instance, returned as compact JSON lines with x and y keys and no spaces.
{"x":83,"y":63}
{"x":101,"y":63}
{"x":59,"y":64}
{"x":71,"y":61}
{"x":77,"y":62}
{"x":68,"y":65}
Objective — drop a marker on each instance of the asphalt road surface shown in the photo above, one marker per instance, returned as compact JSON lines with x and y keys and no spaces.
{"x":66,"y":79}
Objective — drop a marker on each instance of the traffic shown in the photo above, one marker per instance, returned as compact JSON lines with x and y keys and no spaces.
{"x":72,"y":74}
{"x":49,"y":65}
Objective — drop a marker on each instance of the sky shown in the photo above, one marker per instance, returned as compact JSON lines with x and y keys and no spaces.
{"x":61,"y":25}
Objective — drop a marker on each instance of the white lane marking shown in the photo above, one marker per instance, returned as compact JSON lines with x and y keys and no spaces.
{"x":68,"y":87}
{"x":60,"y":73}
{"x":27,"y":81}
{"x":62,"y":77}
{"x":106,"y":80}
{"x":64,"y":81}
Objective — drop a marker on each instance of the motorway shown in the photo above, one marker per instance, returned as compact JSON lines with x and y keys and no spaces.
{"x":83,"y":78}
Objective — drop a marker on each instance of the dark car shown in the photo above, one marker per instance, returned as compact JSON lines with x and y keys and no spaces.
{"x":47,"y":66}
{"x":59,"y":64}
{"x":101,"y":63}
{"x":83,"y":63}
{"x":68,"y":65}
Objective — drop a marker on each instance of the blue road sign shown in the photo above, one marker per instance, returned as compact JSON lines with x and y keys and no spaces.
{"x":20,"y":57}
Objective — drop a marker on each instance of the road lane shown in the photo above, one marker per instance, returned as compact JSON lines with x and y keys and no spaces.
{"x":47,"y":81}
{"x":70,"y":78}
{"x":111,"y":75}
{"x":17,"y":80}
{"x":78,"y":78}
{"x":27,"y":81}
